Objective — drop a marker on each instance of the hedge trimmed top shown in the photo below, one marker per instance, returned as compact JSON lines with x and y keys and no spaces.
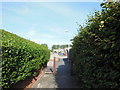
{"x":21,"y":58}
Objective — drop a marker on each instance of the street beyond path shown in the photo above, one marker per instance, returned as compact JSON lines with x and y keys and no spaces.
{"x":62,"y":78}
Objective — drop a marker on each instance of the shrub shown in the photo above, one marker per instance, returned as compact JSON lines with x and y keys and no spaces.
{"x":96,"y":49}
{"x":21,"y":58}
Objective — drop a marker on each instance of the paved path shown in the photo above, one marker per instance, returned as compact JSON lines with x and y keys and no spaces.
{"x":62,"y":78}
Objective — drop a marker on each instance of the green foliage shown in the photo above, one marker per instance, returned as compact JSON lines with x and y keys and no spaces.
{"x":96,"y":49}
{"x":45,"y":45}
{"x":60,"y":46}
{"x":21,"y":58}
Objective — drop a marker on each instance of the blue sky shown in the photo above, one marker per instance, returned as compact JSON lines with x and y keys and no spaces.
{"x":46,"y":22}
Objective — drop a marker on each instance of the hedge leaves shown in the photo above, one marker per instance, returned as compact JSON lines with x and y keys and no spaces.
{"x":96,"y":49}
{"x":21,"y":58}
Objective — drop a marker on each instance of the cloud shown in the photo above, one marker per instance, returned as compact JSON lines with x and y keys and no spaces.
{"x":32,"y":30}
{"x":1,"y":16}
{"x":51,"y":0}
{"x":22,"y":10}
{"x":55,"y":29}
{"x":35,"y":32}
{"x":54,"y":35}
{"x":61,"y":9}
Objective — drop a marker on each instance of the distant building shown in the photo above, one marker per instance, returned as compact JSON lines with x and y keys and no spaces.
{"x":58,"y":50}
{"x":67,"y":49}
{"x":64,"y":51}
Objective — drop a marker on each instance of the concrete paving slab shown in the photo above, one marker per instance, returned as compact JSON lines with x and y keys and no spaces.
{"x":62,"y":78}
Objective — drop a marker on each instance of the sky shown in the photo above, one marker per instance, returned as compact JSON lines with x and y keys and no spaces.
{"x":46,"y":22}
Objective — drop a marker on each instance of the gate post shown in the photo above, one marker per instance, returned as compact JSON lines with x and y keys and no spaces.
{"x":54,"y":65}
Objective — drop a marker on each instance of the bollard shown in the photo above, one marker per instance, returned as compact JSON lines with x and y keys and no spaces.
{"x":54,"y":65}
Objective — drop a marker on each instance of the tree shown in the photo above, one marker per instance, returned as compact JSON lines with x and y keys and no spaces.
{"x":60,"y":46}
{"x":45,"y":45}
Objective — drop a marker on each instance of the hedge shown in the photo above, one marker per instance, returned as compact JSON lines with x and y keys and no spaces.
{"x":96,"y":49}
{"x":21,"y":58}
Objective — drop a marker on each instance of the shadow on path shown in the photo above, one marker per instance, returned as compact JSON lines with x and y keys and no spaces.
{"x":63,"y":75}
{"x":62,"y":78}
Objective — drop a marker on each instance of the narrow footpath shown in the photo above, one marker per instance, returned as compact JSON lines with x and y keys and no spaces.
{"x":62,"y":78}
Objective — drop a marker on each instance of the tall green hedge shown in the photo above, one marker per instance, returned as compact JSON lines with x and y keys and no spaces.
{"x":96,"y":49}
{"x":21,"y":58}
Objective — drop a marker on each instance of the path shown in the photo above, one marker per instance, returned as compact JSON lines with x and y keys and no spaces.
{"x":62,"y":78}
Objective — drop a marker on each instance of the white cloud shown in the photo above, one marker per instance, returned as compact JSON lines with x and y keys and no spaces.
{"x":35,"y":33}
{"x":51,"y":0}
{"x":32,"y":30}
{"x":55,"y":29}
{"x":22,"y":10}
{"x":57,"y":35}
{"x":62,"y":9}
